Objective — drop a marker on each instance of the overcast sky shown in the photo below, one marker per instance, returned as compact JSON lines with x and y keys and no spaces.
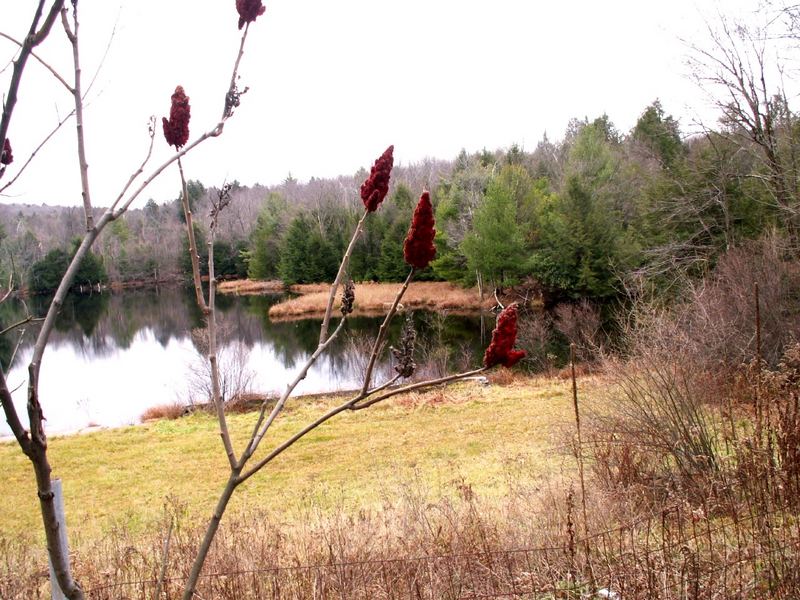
{"x":332,"y":83}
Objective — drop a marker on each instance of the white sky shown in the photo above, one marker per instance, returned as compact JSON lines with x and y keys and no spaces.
{"x":332,"y":83}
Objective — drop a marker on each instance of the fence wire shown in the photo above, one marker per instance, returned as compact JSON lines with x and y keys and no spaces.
{"x":673,"y":556}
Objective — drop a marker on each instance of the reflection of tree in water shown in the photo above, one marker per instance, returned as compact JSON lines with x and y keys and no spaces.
{"x":448,"y":343}
{"x":452,"y":337}
{"x":245,"y":318}
{"x":98,"y":324}
{"x":79,"y":322}
{"x":12,"y":311}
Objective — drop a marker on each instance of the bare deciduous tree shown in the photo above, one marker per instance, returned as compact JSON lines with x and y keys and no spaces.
{"x":746,"y":63}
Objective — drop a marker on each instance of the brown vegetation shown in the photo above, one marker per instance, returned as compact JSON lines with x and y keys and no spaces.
{"x":376,"y":298}
{"x":245,"y":287}
{"x":527,"y":544}
{"x":174,"y":410}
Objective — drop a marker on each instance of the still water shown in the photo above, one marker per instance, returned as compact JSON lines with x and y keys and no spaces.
{"x":112,"y":356}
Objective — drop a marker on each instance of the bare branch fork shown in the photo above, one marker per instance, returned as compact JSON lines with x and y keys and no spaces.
{"x":34,"y":38}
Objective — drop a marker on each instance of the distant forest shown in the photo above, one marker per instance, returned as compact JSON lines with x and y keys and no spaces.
{"x":586,"y":217}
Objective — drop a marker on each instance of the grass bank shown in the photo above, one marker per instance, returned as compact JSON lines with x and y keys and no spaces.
{"x":245,"y":287}
{"x":122,"y":477}
{"x":376,"y":298}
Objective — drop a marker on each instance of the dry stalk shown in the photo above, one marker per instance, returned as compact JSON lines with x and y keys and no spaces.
{"x":579,"y":453}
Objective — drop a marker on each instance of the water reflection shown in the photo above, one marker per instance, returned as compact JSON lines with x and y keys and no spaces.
{"x":111,"y":356}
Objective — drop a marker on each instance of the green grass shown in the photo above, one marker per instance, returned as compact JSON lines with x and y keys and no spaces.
{"x":123,"y":476}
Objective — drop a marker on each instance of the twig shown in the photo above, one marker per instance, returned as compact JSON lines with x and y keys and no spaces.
{"x":12,"y":417}
{"x":349,"y":405}
{"x":165,"y":559}
{"x":379,"y":339}
{"x":10,"y":290}
{"x":256,"y":439}
{"x":323,"y":331}
{"x":139,"y":170}
{"x":420,"y":386}
{"x":193,"y":255}
{"x":13,"y":357}
{"x":232,"y":97}
{"x":25,"y":321}
{"x":580,"y":459}
{"x":33,"y":39}
{"x":224,"y":432}
{"x":41,"y":61}
{"x":36,"y":151}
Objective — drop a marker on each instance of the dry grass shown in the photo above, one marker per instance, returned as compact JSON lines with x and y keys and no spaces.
{"x":173,"y":410}
{"x":244,"y":287}
{"x":499,"y":518}
{"x":453,"y":541}
{"x":376,"y":298}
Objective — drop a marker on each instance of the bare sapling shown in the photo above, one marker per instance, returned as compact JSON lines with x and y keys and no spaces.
{"x":33,"y":440}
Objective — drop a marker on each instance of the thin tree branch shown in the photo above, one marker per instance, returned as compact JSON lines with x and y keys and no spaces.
{"x":12,"y":418}
{"x":224,"y":432}
{"x":339,"y":275}
{"x":10,"y":290}
{"x":381,"y":337}
{"x":256,"y":439}
{"x":41,"y":61}
{"x":383,"y":386}
{"x":36,"y":151}
{"x":419,"y":386}
{"x":232,"y":97}
{"x":193,"y":254}
{"x":25,"y":321}
{"x":72,"y":36}
{"x":349,"y":405}
{"x":152,"y":134}
{"x":11,"y":360}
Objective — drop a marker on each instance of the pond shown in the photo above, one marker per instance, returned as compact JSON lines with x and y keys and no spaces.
{"x":114,"y":355}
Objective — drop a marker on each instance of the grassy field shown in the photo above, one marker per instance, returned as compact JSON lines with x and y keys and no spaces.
{"x":468,"y":431}
{"x":376,"y":298}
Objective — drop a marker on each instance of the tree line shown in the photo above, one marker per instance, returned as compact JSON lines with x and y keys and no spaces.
{"x":588,"y":216}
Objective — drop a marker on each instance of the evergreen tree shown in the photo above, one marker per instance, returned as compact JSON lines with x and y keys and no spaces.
{"x":495,"y":245}
{"x":263,"y":254}
{"x":660,"y":134}
{"x":391,"y":266}
{"x":364,"y":264}
{"x":46,"y":274}
{"x":581,"y":245}
{"x":293,"y":266}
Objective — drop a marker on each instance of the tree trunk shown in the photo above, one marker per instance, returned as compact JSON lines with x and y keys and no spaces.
{"x":44,"y":486}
